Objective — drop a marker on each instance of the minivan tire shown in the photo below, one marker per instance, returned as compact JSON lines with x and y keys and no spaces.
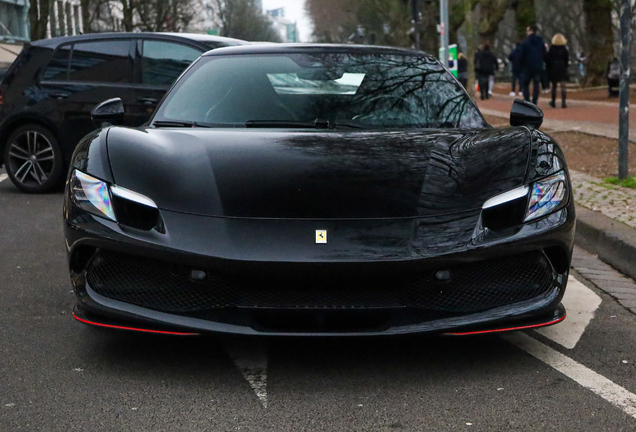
{"x":33,"y":159}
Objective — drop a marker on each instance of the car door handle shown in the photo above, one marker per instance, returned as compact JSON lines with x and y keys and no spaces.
{"x":148,"y":101}
{"x":58,"y":95}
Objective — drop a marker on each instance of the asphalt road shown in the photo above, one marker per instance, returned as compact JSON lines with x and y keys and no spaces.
{"x":59,"y":375}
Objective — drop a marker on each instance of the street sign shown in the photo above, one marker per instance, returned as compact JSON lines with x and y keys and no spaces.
{"x":452,"y":58}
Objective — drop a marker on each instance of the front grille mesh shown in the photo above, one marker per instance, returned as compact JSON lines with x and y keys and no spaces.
{"x":473,"y":287}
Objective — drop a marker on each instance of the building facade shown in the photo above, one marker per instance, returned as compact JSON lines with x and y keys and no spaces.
{"x":14,"y":21}
{"x":14,"y":30}
{"x":65,"y":19}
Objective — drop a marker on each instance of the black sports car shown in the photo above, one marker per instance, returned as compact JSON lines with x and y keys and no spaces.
{"x":318,"y":190}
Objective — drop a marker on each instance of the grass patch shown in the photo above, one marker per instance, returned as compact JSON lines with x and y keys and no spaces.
{"x":606,"y":186}
{"x":628,"y":182}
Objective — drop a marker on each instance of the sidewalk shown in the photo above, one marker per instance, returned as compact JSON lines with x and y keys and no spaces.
{"x":606,"y":214}
{"x":612,"y":201}
{"x":598,"y":94}
{"x":595,"y":118}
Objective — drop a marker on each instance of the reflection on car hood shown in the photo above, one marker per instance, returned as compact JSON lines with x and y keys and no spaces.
{"x":318,"y":174}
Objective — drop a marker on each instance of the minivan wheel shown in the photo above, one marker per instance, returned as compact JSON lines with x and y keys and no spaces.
{"x":33,"y":159}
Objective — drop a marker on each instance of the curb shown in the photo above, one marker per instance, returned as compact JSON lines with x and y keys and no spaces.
{"x":613,"y":241}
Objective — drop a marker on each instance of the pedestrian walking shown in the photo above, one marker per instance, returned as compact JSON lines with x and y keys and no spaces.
{"x":613,"y":76}
{"x":515,"y":61}
{"x":580,"y":57}
{"x":475,"y":67}
{"x":557,"y":61}
{"x":485,"y":64}
{"x":462,"y":69}
{"x":532,"y":63}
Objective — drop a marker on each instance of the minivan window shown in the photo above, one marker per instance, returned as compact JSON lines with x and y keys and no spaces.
{"x":163,"y":62}
{"x":57,"y":69}
{"x":101,"y":61}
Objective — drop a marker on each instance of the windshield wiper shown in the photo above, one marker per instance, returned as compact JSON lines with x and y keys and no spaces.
{"x":174,"y":123}
{"x":316,"y":124}
{"x":282,"y":124}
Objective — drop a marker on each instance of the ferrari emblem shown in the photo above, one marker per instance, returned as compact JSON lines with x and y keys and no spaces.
{"x":321,"y":236}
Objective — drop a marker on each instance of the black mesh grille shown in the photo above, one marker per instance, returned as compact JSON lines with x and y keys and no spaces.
{"x":473,"y":287}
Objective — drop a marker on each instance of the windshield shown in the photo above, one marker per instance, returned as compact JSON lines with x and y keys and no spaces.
{"x":326,"y":90}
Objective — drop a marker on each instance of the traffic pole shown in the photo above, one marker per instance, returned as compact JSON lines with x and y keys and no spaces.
{"x":623,"y":106}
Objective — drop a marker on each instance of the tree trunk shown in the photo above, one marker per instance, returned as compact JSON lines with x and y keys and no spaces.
{"x":87,"y":22}
{"x":600,"y":39}
{"x":457,"y":16}
{"x":128,"y":10}
{"x":491,"y":13}
{"x":471,"y":45}
{"x":39,"y":22}
{"x":525,"y":15}
{"x":429,"y":37}
{"x":34,"y":19}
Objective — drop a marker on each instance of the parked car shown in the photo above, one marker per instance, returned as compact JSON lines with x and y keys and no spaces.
{"x":48,"y":93}
{"x":318,"y":190}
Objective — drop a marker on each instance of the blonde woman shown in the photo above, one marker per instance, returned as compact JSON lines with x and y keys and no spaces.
{"x":557,"y":61}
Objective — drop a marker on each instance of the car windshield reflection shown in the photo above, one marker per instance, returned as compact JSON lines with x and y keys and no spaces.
{"x":325,"y":90}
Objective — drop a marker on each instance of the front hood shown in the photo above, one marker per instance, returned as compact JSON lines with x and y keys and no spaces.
{"x":264,"y":173}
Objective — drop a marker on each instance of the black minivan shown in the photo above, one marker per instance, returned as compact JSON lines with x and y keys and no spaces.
{"x":48,"y":93}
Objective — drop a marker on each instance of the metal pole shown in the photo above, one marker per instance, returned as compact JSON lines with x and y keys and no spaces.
{"x":445,"y":33}
{"x":442,"y":32}
{"x":623,"y":106}
{"x":414,"y":21}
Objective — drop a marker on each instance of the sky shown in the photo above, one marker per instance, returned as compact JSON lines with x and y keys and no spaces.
{"x":294,"y":11}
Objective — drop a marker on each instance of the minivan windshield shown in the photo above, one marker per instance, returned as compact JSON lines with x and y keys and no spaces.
{"x":319,"y":90}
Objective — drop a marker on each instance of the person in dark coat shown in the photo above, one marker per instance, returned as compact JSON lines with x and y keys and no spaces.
{"x":462,"y":69}
{"x":557,"y":61}
{"x":485,"y":64}
{"x":613,"y":77}
{"x":515,"y":61}
{"x":532,"y":64}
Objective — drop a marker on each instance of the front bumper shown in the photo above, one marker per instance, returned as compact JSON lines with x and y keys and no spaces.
{"x":392,"y":304}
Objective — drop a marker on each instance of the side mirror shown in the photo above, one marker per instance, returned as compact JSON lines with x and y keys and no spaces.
{"x":110,"y":111}
{"x":524,"y":113}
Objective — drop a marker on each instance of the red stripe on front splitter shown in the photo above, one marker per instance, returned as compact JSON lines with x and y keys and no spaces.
{"x":508,"y":329}
{"x":131,"y":328}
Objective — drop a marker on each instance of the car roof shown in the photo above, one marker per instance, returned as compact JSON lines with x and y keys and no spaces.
{"x":278,"y":48}
{"x":55,"y":42}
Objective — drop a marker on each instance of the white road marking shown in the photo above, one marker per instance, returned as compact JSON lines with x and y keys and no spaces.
{"x":3,"y":177}
{"x":580,"y":303}
{"x":250,"y":357}
{"x":603,"y":387}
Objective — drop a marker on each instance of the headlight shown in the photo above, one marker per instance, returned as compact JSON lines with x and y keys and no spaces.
{"x":92,"y":195}
{"x":525,"y":203}
{"x":547,"y":195}
{"x":114,"y":202}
